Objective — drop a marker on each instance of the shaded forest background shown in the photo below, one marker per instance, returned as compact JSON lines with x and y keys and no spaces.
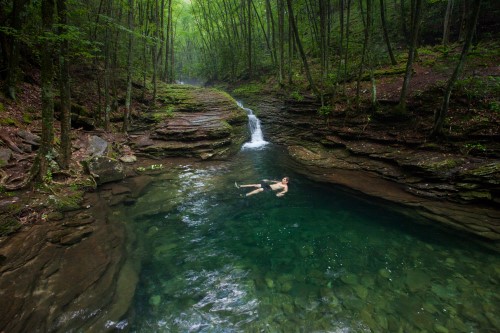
{"x":107,"y":54}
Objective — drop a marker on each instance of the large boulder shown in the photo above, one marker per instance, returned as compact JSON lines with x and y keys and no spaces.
{"x":97,"y":146}
{"x":105,"y":169}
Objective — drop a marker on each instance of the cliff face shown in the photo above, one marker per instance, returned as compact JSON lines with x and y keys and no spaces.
{"x":389,"y":157}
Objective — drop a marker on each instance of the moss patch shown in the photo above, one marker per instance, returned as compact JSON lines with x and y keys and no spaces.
{"x":8,"y":225}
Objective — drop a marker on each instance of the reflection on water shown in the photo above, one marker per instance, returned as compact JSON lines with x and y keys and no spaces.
{"x":317,"y":260}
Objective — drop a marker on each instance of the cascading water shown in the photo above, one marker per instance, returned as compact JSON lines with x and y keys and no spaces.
{"x":257,"y":138}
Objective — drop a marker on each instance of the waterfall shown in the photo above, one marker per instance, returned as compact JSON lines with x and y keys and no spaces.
{"x":257,"y":138}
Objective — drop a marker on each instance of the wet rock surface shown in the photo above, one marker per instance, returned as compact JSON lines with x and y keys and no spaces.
{"x":393,"y":162}
{"x":62,"y":276}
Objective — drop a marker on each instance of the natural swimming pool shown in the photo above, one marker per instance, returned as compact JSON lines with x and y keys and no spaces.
{"x":318,"y":260}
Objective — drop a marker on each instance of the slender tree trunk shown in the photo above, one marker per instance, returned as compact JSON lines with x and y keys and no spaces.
{"x":281,"y":41}
{"x":386,"y":33}
{"x":342,"y":37}
{"x":128,"y":96}
{"x":166,"y":77}
{"x":154,"y":55}
{"x":369,"y":31}
{"x":271,"y":31}
{"x":363,"y":55}
{"x":172,"y":53}
{"x":295,"y":31}
{"x":265,"y":34}
{"x":415,"y":26}
{"x":47,"y":77}
{"x":13,"y":58}
{"x":447,"y":24}
{"x":404,"y":27}
{"x":171,"y":41}
{"x":346,"y":51}
{"x":440,"y":116}
{"x":291,"y":50}
{"x":323,"y":11}
{"x":463,"y":21}
{"x":64,"y":87}
{"x":249,"y":38}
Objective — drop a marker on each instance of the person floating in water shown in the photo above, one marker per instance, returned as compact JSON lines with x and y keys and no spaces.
{"x":265,"y":186}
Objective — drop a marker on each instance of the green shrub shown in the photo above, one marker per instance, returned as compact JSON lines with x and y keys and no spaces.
{"x":248,"y":89}
{"x":297,"y":96}
{"x":325,"y":110}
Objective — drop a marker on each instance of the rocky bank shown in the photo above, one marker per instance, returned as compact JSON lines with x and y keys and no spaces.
{"x":64,"y":265}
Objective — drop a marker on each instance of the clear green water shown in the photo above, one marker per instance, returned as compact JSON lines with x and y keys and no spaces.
{"x":317,"y":260}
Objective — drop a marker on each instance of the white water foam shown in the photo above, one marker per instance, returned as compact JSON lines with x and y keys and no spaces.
{"x":257,"y":138}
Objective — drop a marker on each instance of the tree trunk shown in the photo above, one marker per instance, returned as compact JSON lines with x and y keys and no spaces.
{"x":64,"y":87}
{"x":171,"y":24}
{"x":166,"y":76}
{"x":281,"y":41}
{"x":323,"y":38}
{"x":154,"y":55}
{"x":386,"y":33}
{"x":363,"y":55}
{"x":415,"y":25}
{"x":295,"y":31}
{"x":403,"y":22}
{"x":47,"y":76}
{"x":249,"y":39}
{"x":128,"y":96}
{"x":369,"y":32}
{"x":346,"y":51}
{"x":447,"y":24}
{"x":13,"y":56}
{"x":440,"y":116}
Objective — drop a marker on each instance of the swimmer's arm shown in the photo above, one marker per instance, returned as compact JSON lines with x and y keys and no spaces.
{"x":282,"y":193}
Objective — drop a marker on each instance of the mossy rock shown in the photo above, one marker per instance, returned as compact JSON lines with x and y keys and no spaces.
{"x":8,"y":122}
{"x":67,"y":201}
{"x":475,"y":195}
{"x":8,"y":225}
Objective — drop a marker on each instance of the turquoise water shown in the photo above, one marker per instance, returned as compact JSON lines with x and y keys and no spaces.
{"x":317,"y":260}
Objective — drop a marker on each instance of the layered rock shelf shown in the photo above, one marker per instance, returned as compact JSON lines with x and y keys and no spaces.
{"x":191,"y":122}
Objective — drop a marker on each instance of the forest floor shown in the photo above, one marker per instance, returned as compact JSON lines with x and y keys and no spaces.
{"x":474,"y":116}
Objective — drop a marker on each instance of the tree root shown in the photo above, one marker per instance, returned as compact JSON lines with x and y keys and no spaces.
{"x":5,"y":138}
{"x":35,"y":169}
